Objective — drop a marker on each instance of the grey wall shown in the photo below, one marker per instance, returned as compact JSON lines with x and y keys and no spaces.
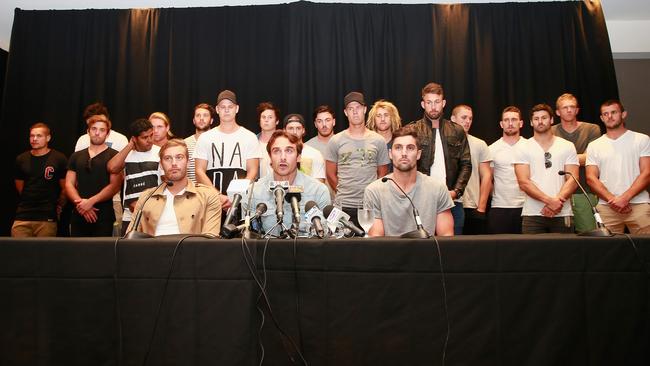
{"x":633,"y":76}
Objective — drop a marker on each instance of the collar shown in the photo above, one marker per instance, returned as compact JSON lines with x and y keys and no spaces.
{"x":189,"y":188}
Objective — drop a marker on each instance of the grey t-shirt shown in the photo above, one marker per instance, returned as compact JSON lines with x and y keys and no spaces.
{"x":479,"y":154}
{"x":357,"y":161}
{"x":581,"y":137}
{"x":317,"y":144}
{"x":429,"y":195}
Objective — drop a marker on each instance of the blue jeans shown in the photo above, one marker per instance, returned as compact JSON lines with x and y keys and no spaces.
{"x":459,"y":217}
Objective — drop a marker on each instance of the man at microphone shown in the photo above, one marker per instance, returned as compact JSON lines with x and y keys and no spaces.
{"x":178,"y":206}
{"x":285,"y":152}
{"x":429,"y":195}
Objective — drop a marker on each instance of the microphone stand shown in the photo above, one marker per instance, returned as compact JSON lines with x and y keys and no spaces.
{"x":420,"y":232}
{"x":601,"y":230}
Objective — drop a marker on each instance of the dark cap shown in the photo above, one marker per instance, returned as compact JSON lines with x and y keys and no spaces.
{"x":227,"y":94}
{"x":293,"y":117}
{"x":354,"y":97}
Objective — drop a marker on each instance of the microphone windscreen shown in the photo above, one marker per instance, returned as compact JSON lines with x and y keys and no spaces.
{"x":169,"y":183}
{"x":328,"y":210}
{"x":384,"y":180}
{"x":561,"y":172}
{"x":309,"y":205}
{"x":261,"y":208}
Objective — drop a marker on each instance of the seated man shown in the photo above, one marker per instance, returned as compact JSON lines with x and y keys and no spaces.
{"x":181,"y":207}
{"x":430,"y":196}
{"x":284,"y":150}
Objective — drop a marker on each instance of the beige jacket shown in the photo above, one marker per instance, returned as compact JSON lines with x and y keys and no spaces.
{"x":198,"y":210}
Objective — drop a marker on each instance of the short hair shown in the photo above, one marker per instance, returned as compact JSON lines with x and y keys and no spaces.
{"x":563,"y":97}
{"x":541,"y":107}
{"x":433,"y":88}
{"x":267,"y":106}
{"x":395,"y":119}
{"x":408,"y":130}
{"x":511,"y":108}
{"x":173,"y":143}
{"x":95,"y":109}
{"x":98,"y":118}
{"x":282,"y":133}
{"x":609,"y":102}
{"x":139,"y":126}
{"x":208,"y":107}
{"x":40,"y":125}
{"x":459,"y":107}
{"x":322,"y":109}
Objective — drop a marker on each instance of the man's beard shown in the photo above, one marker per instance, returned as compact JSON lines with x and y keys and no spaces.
{"x":434,"y":116}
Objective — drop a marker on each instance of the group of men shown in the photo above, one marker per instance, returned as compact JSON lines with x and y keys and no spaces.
{"x":172,"y":185}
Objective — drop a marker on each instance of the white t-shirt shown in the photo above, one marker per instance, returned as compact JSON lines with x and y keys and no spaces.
{"x":226,"y":154}
{"x":167,"y":223}
{"x":618,"y":162}
{"x":479,"y":154}
{"x":312,"y":162}
{"x":547,"y":180}
{"x":265,"y":161}
{"x":438,"y":170}
{"x":506,"y":192}
{"x":141,"y":171}
{"x":114,"y":140}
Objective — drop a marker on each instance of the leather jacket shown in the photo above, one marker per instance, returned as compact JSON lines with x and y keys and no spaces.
{"x":458,"y":165}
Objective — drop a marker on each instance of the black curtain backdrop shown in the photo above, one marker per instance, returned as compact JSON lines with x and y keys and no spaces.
{"x":297,"y":55}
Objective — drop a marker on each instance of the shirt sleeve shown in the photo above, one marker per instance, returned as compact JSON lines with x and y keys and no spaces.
{"x":485,"y":155}
{"x":592,"y":155}
{"x":61,"y":167}
{"x":371,"y":197}
{"x":519,"y":155}
{"x":572,"y":155}
{"x":444,"y":200}
{"x":202,"y":149}
{"x":331,"y":151}
{"x":382,"y":153}
{"x":645,"y":145}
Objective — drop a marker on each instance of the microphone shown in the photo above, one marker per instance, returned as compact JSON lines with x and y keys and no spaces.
{"x":314,"y":215}
{"x":278,"y":189}
{"x":230,"y":230}
{"x":601,"y":229}
{"x":293,"y":197}
{"x":236,"y":190}
{"x":335,"y":215}
{"x":419,"y":232}
{"x":134,"y":233}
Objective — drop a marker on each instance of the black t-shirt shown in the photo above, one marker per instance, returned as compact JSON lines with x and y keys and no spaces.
{"x":41,"y":190}
{"x":92,"y":177}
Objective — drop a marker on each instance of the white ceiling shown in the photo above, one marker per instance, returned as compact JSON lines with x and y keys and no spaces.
{"x":624,"y":13}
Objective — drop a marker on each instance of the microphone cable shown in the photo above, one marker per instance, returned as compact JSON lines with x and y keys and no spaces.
{"x":261,"y":284}
{"x":444,"y":300}
{"x":644,"y":265}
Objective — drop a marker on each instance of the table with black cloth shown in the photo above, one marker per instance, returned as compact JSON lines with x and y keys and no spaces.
{"x":511,"y":300}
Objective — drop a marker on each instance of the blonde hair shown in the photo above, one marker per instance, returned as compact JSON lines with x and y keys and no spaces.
{"x":164,"y":118}
{"x":395,"y":119}
{"x":173,"y":143}
{"x":563,"y":97}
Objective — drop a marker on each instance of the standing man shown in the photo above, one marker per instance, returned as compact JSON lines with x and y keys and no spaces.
{"x":203,"y":118}
{"x":324,"y":120}
{"x":580,"y":134}
{"x":355,"y":157}
{"x":268,"y":116}
{"x":508,"y":200}
{"x":182,"y":207}
{"x":140,"y":163}
{"x":285,"y":151}
{"x":537,"y":163}
{"x":114,"y":140}
{"x":445,"y":150}
{"x":90,"y":186}
{"x":430,"y":196}
{"x":384,"y":119}
{"x":311,"y":160}
{"x":228,"y":151}
{"x":161,"y":128}
{"x":479,"y":185}
{"x":618,"y":171}
{"x":40,"y":182}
